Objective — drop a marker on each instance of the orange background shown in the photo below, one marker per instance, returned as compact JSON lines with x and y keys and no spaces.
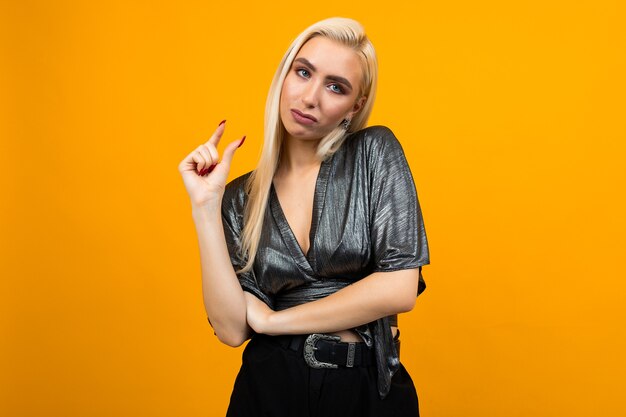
{"x":511,"y":116}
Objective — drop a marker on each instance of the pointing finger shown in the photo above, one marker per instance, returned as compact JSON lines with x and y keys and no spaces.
{"x":217,"y":135}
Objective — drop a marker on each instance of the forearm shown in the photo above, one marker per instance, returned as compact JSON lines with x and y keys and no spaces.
{"x":377,"y":295}
{"x":222,"y":294}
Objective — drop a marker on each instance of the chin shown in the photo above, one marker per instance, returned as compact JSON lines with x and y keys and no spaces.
{"x":297,"y":132}
{"x":305,"y":136}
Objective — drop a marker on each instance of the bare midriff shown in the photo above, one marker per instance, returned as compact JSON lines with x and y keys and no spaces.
{"x":352,"y":336}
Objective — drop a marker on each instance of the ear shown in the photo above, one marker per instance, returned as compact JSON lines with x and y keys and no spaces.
{"x":358,"y":105}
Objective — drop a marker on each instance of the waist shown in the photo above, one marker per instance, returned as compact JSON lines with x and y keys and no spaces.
{"x":352,"y":336}
{"x":327,"y":348}
{"x":323,"y":351}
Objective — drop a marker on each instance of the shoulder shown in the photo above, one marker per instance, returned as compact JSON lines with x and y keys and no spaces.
{"x":235,"y":194}
{"x":376,"y":142}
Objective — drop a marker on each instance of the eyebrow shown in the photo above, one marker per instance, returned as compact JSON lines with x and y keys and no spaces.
{"x":335,"y":78}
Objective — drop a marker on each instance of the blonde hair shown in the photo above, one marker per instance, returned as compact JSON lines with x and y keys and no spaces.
{"x":348,"y":32}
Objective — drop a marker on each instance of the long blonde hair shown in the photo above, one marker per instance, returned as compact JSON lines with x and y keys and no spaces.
{"x":348,"y":32}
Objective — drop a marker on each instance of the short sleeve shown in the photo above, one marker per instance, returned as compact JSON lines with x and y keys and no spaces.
{"x":396,"y":223}
{"x":232,"y":220}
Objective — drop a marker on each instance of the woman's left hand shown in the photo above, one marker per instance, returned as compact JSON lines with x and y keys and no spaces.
{"x":258,"y":314}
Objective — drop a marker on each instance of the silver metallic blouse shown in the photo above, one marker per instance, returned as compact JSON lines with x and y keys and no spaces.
{"x":366,"y":218}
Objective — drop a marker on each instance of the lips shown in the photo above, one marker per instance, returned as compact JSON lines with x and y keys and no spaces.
{"x":303,"y":117}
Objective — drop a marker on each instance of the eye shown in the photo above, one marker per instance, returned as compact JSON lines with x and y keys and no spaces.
{"x":303,"y":72}
{"x":335,"y":88}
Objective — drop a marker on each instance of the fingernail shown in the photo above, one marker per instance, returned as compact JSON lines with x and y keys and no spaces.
{"x":212,"y":167}
{"x":202,"y":172}
{"x":242,"y":139}
{"x":222,"y":122}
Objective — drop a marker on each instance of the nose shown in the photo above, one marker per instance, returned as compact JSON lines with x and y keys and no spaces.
{"x":310,"y":94}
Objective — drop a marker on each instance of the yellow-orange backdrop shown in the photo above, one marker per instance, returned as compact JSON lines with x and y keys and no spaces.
{"x":512,"y":118}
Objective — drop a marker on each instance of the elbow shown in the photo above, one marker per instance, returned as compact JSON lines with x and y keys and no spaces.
{"x":405,"y":304}
{"x":227,"y":336}
{"x":232,"y":339}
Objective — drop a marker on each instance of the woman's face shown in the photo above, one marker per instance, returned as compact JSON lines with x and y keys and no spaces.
{"x":320,"y":89}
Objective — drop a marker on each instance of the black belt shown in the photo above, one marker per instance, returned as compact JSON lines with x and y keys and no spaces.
{"x":324,"y":351}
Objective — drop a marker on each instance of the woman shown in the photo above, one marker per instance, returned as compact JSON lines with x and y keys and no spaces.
{"x":314,"y":253}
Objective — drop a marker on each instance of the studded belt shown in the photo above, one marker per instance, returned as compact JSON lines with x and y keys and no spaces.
{"x":324,"y":351}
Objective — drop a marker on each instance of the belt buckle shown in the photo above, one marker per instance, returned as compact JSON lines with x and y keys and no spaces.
{"x":310,"y":348}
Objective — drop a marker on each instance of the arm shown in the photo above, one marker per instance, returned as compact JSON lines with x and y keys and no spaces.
{"x":378,"y":295}
{"x":222,"y":294}
{"x":204,"y":176}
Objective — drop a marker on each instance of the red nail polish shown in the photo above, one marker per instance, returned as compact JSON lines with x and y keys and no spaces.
{"x":222,"y":122}
{"x":202,"y":172}
{"x":242,"y":139}
{"x":212,"y":167}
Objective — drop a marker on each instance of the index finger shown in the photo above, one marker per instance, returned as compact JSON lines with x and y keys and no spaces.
{"x":217,"y":135}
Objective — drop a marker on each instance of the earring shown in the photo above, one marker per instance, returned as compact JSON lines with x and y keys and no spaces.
{"x":346,"y":123}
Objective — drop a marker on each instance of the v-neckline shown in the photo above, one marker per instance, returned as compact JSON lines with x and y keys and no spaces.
{"x":306,"y":261}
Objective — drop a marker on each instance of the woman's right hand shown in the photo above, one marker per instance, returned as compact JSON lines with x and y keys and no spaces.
{"x":203,"y":173}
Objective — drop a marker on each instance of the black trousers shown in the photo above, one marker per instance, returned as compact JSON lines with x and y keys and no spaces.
{"x":276,"y":382}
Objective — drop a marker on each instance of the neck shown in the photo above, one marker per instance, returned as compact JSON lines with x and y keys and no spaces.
{"x":298,"y":156}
